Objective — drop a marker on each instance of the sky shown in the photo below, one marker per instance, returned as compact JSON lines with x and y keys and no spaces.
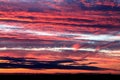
{"x":78,"y":36}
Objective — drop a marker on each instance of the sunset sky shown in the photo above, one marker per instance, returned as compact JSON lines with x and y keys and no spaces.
{"x":60,"y":36}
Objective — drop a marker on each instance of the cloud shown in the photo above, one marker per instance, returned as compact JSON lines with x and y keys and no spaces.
{"x":63,"y":28}
{"x":32,"y":64}
{"x":61,"y":5}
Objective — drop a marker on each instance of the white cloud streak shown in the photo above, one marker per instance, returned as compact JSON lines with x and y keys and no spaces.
{"x":69,"y":36}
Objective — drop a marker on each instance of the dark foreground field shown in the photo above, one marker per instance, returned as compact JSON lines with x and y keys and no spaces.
{"x":60,"y":76}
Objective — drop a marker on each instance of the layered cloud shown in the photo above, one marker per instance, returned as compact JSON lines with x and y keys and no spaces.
{"x":57,"y":29}
{"x":58,"y":5}
{"x":60,"y":29}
